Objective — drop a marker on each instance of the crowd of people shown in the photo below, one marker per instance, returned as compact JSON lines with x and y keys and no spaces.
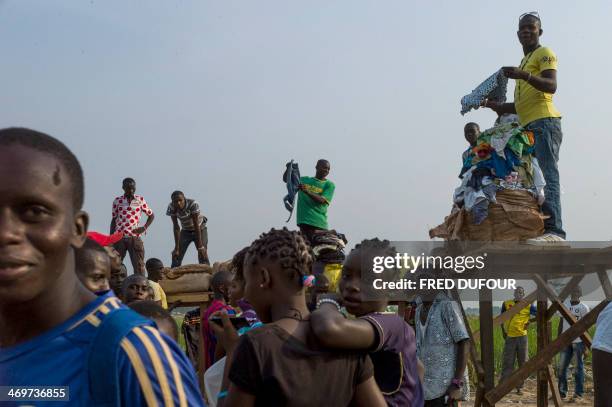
{"x":70,"y":315}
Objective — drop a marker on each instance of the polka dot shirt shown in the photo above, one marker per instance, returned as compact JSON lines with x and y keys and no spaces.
{"x":127,"y":214}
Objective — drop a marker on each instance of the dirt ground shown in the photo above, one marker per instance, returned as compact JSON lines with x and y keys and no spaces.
{"x":528,"y":398}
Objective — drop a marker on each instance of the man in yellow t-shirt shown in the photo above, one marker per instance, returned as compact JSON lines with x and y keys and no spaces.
{"x":536,"y":82}
{"x":515,"y":335}
{"x":154,"y":274}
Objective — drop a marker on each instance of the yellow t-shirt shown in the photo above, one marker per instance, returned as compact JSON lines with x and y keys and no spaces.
{"x":159,"y":294}
{"x":530,"y":103}
{"x":518,"y":323}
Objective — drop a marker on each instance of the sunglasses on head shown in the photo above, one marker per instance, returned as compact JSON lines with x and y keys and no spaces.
{"x":530,"y":13}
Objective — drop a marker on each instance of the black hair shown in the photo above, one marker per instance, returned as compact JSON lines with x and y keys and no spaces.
{"x":152,"y":261}
{"x":152,"y":310}
{"x":129,"y":279}
{"x":379,"y":246}
{"x":289,"y":248}
{"x":128,"y":179}
{"x":238,"y":263}
{"x":219,"y":278}
{"x":536,"y":17}
{"x":46,"y":144}
{"x":471,"y":124}
{"x":81,"y":255}
{"x":322,"y":160}
{"x":176,"y":194}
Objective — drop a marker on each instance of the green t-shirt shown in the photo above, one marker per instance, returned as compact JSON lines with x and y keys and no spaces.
{"x":310,"y":212}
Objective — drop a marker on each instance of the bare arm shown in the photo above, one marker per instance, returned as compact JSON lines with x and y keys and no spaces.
{"x":315,"y":197}
{"x":194,"y":218}
{"x":334,"y":331}
{"x":113,"y":226}
{"x":546,"y":82}
{"x":500,"y":108}
{"x":149,"y":221}
{"x":461,"y":362}
{"x":367,"y":394}
{"x":420,"y":369}
{"x":176,"y":229}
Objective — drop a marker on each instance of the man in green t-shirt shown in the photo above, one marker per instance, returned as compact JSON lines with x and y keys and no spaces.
{"x":314,"y":197}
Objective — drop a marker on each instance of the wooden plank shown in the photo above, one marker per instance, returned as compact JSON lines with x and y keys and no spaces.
{"x":201,"y":350}
{"x":479,"y":398}
{"x":567,"y":290}
{"x":471,"y":346}
{"x":486,"y":340}
{"x":506,"y":316}
{"x":190,"y":299}
{"x":567,"y":315}
{"x":542,"y":384}
{"x":552,"y":382}
{"x":545,"y":355}
{"x":605,"y":283}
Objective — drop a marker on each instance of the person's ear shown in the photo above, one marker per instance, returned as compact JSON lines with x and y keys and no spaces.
{"x":79,"y":229}
{"x":264,"y":278}
{"x":541,"y":32}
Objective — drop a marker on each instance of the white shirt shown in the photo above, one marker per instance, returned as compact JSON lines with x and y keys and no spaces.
{"x":578,"y":311}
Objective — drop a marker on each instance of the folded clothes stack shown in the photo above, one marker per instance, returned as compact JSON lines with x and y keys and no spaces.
{"x":501,"y":159}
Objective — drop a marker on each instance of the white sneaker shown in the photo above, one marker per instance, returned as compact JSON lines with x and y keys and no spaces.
{"x":548,"y":239}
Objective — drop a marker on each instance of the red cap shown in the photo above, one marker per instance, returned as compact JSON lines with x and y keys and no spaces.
{"x":105,"y":240}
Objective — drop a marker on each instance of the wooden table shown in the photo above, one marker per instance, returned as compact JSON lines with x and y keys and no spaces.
{"x":201,"y":300}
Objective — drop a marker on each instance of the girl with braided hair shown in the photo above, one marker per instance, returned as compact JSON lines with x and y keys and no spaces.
{"x":282,"y":363}
{"x":388,"y":339}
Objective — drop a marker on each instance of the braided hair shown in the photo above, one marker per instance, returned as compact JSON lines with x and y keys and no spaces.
{"x":376,"y":247}
{"x":238,"y":263}
{"x":379,"y":246}
{"x":289,"y":248}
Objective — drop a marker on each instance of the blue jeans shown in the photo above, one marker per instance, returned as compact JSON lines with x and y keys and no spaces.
{"x":548,"y":137}
{"x":575,"y":349}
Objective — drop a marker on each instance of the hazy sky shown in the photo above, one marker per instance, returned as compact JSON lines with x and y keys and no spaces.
{"x":214,"y":97}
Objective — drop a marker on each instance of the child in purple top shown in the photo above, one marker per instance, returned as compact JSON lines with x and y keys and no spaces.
{"x":236,"y":290}
{"x":390,"y":342}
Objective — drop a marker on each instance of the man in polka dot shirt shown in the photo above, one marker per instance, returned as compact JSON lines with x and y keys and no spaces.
{"x":127,"y":210}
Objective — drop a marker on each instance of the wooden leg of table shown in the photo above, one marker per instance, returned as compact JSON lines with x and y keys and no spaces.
{"x":554,"y":388}
{"x":486,"y":341}
{"x":542,"y":389}
{"x":202,"y":351}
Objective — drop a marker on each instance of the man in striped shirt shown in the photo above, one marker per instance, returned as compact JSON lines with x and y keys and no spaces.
{"x":48,"y":319}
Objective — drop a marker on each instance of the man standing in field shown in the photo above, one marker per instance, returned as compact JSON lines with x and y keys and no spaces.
{"x":515,"y":335}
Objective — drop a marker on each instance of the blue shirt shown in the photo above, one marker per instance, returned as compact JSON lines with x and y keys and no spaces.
{"x":603,"y":333}
{"x":153,"y":371}
{"x":437,"y":345}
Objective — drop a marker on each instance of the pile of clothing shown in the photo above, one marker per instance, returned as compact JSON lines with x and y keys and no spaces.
{"x":328,"y":246}
{"x":502,"y":159}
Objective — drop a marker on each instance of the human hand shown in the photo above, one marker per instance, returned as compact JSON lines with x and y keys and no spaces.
{"x":513,"y":72}
{"x":202,"y":253}
{"x":175,"y":253}
{"x":115,"y":258}
{"x":139,"y":230}
{"x":302,"y":187}
{"x":226,"y":334}
{"x":454,"y":394}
